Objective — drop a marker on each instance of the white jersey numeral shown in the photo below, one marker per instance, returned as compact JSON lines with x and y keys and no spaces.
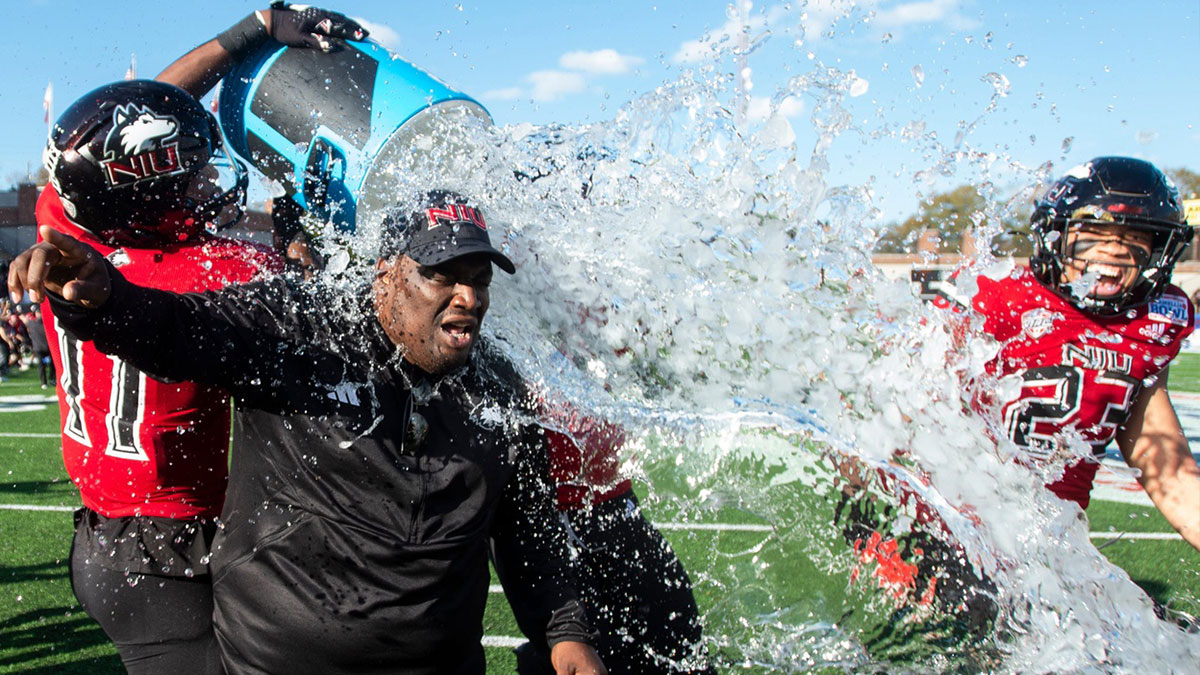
{"x":126,"y":402}
{"x":71,"y":382}
{"x":126,"y":408}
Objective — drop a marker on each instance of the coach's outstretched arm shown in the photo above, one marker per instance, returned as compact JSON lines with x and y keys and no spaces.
{"x":198,"y":71}
{"x":221,"y":333}
{"x":63,"y":265}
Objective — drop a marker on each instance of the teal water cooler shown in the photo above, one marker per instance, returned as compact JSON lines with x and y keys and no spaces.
{"x":334,"y":129}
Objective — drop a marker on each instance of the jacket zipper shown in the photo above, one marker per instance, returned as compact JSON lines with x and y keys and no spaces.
{"x":419,"y":504}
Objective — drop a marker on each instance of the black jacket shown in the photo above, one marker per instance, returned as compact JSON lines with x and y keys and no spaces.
{"x":355,"y":538}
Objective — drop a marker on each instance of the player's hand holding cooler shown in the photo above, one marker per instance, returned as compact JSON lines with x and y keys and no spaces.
{"x":291,"y":25}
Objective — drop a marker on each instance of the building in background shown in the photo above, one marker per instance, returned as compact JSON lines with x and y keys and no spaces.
{"x":928,"y":266}
{"x":931,"y":264}
{"x":18,"y":226}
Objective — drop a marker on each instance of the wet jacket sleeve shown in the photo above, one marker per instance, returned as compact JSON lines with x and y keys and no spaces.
{"x":216,"y":337}
{"x":529,"y":551}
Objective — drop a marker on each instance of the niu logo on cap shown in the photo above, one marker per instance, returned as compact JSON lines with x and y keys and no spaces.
{"x":137,"y":147}
{"x":454,"y":213}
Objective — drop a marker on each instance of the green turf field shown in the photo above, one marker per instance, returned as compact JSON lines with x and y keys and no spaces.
{"x":1185,"y":373}
{"x":42,"y":630}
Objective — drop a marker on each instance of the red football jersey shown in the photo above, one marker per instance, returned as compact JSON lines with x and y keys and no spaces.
{"x":1081,"y":371}
{"x":584,"y":461}
{"x":132,"y":444}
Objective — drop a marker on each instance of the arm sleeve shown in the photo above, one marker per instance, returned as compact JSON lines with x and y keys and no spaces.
{"x":529,"y":551}
{"x":215,"y":337}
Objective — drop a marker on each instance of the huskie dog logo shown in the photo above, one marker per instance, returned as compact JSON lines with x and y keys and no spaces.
{"x":141,"y":145}
{"x":1038,"y":322}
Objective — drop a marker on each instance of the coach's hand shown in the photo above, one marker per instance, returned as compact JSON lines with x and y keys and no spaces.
{"x":576,"y":658}
{"x":60,"y":264}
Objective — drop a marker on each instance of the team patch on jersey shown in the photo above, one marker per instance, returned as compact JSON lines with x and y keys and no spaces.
{"x":1170,"y":308}
{"x":1038,"y":322}
{"x":118,"y":258}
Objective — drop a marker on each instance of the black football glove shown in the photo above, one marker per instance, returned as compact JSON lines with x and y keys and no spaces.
{"x":312,"y":27}
{"x":291,"y":25}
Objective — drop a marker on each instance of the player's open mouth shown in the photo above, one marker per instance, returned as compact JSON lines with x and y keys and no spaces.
{"x":1111,"y":280}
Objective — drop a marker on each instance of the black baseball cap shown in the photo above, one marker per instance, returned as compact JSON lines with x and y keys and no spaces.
{"x":446,"y":226}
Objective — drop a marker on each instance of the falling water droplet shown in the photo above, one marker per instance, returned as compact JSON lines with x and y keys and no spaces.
{"x":999,"y":82}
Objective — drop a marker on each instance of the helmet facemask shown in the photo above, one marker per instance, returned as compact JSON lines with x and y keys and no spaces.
{"x":216,"y":195}
{"x":1057,"y":251}
{"x":1103,"y":194}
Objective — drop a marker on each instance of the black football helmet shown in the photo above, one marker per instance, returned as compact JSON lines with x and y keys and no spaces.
{"x":142,"y":163}
{"x":1109,"y":190}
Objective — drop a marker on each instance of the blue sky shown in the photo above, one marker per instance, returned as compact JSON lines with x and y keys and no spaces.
{"x":1014,"y":79}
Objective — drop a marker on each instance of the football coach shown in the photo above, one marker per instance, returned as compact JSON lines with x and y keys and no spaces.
{"x":379,"y":449}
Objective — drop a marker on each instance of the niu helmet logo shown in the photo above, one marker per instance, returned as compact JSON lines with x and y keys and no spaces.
{"x":139,"y":146}
{"x":455,"y":213}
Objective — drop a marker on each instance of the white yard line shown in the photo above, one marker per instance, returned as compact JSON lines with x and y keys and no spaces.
{"x":1160,"y":536}
{"x":502,"y":641}
{"x":714,"y":526}
{"x":8,"y":435}
{"x":719,"y":527}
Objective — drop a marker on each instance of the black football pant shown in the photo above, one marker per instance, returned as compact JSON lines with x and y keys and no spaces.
{"x":159,"y":624}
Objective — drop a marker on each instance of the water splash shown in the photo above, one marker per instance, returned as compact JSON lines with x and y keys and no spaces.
{"x":705,"y":283}
{"x":918,"y":75}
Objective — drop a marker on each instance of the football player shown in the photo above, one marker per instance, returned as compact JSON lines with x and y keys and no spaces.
{"x":1090,"y":328}
{"x":137,"y":170}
